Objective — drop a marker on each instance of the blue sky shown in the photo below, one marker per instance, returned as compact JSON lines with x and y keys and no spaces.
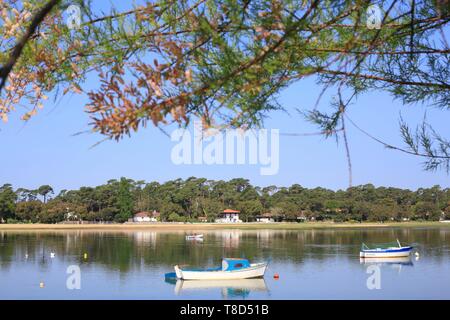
{"x":45,"y":150}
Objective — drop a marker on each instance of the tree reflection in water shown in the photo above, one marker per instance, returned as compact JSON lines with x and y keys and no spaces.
{"x":126,"y":251}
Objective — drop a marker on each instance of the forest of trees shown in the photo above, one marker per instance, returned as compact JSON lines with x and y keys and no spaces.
{"x":185,"y":200}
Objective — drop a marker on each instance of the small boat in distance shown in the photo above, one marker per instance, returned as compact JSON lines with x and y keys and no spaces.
{"x":194,"y":237}
{"x":389,"y":250}
{"x":230,"y":269}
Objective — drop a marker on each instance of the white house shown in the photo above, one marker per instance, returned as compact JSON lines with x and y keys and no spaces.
{"x":265,"y":217}
{"x":229,"y":216}
{"x":145,"y":216}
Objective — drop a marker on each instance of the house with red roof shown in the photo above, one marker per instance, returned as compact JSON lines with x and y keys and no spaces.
{"x":229,"y":216}
{"x":145,"y":216}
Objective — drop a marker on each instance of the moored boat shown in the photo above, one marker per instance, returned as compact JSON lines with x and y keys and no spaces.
{"x":194,"y":237}
{"x":385,"y":251}
{"x":230,"y":269}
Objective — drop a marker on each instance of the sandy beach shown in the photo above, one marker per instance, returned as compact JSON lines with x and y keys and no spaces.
{"x":215,"y":226}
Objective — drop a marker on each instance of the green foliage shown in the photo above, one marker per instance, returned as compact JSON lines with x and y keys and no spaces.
{"x":7,"y":202}
{"x":447,"y":212}
{"x":186,"y":200}
{"x":105,"y":214}
{"x":29,"y":210}
{"x":427,"y":211}
{"x":54,"y":211}
{"x":124,"y":201}
{"x":427,"y":143}
{"x":44,"y":191}
{"x":174,"y":217}
{"x":249,"y":209}
{"x":168,"y":209}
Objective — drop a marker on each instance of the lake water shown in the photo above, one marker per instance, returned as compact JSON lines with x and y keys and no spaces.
{"x":311,"y":264}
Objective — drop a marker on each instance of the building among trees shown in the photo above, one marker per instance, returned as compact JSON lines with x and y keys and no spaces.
{"x":229,"y":216}
{"x":199,"y":199}
{"x":145,"y":216}
{"x":265,"y":217}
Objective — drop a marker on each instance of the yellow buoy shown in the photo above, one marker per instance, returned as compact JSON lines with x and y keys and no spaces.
{"x":85,"y":256}
{"x":41,"y":284}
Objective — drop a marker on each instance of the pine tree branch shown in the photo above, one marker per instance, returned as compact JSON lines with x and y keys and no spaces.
{"x":17,"y":51}
{"x":372,"y":77}
{"x":390,"y":146}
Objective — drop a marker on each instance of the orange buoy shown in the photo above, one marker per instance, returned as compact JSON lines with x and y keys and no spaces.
{"x":276,"y":276}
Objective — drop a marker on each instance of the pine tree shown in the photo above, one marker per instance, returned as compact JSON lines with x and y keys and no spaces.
{"x":124,"y":201}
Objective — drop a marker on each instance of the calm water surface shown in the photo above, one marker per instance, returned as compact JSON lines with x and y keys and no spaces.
{"x":312,"y":264}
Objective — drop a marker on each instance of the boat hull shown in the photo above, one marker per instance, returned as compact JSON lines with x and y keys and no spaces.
{"x":257,"y":284}
{"x":386,"y":253}
{"x":255,"y":270}
{"x":198,"y":237}
{"x":406,"y":261}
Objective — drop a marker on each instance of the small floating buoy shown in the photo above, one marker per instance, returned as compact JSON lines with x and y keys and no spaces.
{"x":26,"y":256}
{"x":276,"y":276}
{"x":85,"y":256}
{"x":41,"y":284}
{"x":52,"y":254}
{"x":417,"y":254}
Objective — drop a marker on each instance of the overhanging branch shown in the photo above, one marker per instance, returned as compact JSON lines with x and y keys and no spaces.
{"x":17,"y":51}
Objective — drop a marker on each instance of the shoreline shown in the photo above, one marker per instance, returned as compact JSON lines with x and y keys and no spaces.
{"x":216,"y":226}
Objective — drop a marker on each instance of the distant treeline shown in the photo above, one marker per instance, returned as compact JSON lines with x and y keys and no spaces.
{"x":187,"y":200}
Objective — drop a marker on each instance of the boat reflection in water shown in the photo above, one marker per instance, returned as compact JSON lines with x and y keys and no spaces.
{"x":240,"y":288}
{"x":395,"y":263}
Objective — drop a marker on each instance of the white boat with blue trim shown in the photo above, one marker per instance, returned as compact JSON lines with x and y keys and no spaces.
{"x":230,"y":269}
{"x":385,"y":251}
